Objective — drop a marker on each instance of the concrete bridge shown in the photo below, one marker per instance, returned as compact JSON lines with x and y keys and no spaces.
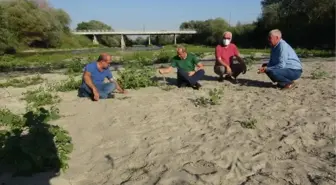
{"x":122,"y":33}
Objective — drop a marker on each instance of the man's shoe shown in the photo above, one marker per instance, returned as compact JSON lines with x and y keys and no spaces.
{"x":221,"y":79}
{"x":197,"y":86}
{"x":289,"y":86}
{"x":110,"y":96}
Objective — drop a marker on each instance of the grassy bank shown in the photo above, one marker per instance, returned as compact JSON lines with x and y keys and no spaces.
{"x":62,"y":60}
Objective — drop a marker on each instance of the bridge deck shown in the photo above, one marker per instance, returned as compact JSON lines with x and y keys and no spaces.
{"x":109,"y":32}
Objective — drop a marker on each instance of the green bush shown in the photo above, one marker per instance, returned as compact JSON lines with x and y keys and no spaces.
{"x":67,"y":85}
{"x":29,"y":145}
{"x":22,"y":82}
{"x":40,"y":97}
{"x":214,"y":97}
{"x":137,"y":75}
{"x":163,"y":56}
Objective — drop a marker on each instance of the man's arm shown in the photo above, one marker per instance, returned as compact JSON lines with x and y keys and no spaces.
{"x":109,"y":76}
{"x":88,"y":81}
{"x":280,"y":59}
{"x":219,"y":58}
{"x":165,"y":70}
{"x":170,"y":68}
{"x":197,"y":63}
{"x":112,"y":80}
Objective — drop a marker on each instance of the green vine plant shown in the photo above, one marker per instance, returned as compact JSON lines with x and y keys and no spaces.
{"x":28,"y":144}
{"x":214,"y":97}
{"x":136,"y":74}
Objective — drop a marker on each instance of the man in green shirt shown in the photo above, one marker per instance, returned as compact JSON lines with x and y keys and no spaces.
{"x":186,"y":63}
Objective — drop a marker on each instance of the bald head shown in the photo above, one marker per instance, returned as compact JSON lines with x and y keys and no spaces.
{"x":104,"y":60}
{"x":104,"y":57}
{"x":274,"y":37}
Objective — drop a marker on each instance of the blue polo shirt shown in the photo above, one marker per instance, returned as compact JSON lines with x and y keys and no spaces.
{"x":97,"y":76}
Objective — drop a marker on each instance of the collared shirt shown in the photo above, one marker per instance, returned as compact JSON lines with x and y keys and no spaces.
{"x":283,"y":56}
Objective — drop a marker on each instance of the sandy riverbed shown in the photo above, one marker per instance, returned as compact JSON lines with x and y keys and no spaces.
{"x":152,"y":136}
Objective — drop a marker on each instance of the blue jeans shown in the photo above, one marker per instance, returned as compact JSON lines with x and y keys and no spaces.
{"x":183,"y":77}
{"x":284,"y":76}
{"x":104,"y":90}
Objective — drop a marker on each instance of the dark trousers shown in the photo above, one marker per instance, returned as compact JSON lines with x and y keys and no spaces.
{"x":284,"y":76}
{"x":236,"y":68}
{"x":184,"y":78}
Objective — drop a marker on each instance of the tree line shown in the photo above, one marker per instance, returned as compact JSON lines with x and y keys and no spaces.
{"x":24,"y":24}
{"x":305,"y":24}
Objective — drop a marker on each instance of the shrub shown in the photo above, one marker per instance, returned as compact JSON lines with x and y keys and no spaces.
{"x":40,"y":97}
{"x":76,"y":65}
{"x":215,"y":95}
{"x":137,"y":75}
{"x":163,"y":56}
{"x":250,"y":124}
{"x":67,"y":85}
{"x":31,"y":145}
{"x":23,"y":82}
{"x":319,"y":74}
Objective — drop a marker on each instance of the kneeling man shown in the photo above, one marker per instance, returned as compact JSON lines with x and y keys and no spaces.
{"x":93,"y":80}
{"x":186,"y":63}
{"x":284,"y":66}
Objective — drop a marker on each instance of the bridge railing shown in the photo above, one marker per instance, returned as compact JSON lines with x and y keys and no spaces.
{"x":132,"y":30}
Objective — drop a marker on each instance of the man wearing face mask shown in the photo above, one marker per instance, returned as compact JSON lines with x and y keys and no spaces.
{"x":284,"y":66}
{"x":93,"y":80}
{"x":226,"y":53}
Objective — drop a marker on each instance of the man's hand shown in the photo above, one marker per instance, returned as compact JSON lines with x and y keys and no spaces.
{"x":123,"y":91}
{"x":262,"y":70}
{"x":229,"y":70}
{"x":161,"y":71}
{"x":191,"y":73}
{"x":95,"y":94}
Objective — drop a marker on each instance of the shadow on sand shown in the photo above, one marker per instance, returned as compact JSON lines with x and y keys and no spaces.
{"x":255,"y":83}
{"x":169,"y":80}
{"x":27,"y":150}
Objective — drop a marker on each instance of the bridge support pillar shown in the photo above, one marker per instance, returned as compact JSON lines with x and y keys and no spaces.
{"x":95,"y":41}
{"x":149,"y":41}
{"x":122,"y":42}
{"x":175,"y":36}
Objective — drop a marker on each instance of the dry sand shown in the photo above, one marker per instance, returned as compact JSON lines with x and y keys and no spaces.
{"x":151,"y":136}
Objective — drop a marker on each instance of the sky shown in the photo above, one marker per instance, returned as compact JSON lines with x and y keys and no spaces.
{"x":157,"y":14}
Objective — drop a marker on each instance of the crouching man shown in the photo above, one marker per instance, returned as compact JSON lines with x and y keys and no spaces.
{"x":186,"y":63}
{"x":93,"y":84}
{"x":284,"y":66}
{"x":228,"y":61}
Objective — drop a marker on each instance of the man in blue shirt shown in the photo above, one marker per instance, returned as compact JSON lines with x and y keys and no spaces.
{"x":284,"y":66}
{"x":93,"y":80}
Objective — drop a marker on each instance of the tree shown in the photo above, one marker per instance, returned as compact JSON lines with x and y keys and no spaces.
{"x":107,"y":40}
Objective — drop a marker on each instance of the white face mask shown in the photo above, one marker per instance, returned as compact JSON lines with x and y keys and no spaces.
{"x":226,"y":42}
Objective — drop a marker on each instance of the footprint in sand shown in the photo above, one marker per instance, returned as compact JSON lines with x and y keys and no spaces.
{"x":200,"y":167}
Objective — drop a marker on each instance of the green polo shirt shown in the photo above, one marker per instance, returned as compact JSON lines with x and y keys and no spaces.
{"x":187,"y":64}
